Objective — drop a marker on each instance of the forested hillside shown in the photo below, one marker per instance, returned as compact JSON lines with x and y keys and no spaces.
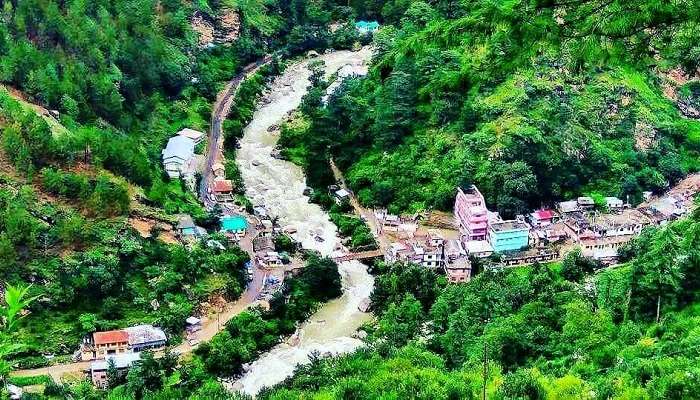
{"x":533,"y":101}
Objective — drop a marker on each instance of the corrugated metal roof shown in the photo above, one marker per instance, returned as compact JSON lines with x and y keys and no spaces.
{"x":180,"y":147}
{"x":141,"y":334}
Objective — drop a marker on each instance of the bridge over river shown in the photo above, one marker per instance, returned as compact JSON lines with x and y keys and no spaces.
{"x":363,"y":255}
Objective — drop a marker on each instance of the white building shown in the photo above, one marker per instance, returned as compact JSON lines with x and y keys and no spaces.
{"x":196,"y":136}
{"x":176,"y":154}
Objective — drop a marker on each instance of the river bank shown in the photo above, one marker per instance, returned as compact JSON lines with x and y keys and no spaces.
{"x":278,"y":185}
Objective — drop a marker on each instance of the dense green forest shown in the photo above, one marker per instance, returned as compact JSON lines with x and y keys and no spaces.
{"x":560,"y":331}
{"x":533,"y":101}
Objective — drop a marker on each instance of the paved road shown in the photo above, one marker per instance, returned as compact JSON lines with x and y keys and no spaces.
{"x":220,"y":111}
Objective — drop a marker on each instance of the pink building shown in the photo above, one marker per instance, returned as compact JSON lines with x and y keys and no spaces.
{"x":471,"y":214}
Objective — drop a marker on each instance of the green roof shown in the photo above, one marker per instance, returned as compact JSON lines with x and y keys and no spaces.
{"x":233,"y":223}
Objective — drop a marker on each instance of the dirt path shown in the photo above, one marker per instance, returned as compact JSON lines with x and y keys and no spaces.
{"x":367,"y":215}
{"x":220,"y":111}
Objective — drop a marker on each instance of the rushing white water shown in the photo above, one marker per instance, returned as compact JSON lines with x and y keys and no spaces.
{"x":278,"y":185}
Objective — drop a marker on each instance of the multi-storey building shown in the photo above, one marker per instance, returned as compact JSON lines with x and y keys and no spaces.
{"x":471,"y":214}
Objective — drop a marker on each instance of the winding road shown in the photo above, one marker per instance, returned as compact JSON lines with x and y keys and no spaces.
{"x":222,"y":106}
{"x":279,"y":186}
{"x":215,"y":323}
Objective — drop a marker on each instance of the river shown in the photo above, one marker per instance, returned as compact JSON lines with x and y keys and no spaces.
{"x":279,"y":185}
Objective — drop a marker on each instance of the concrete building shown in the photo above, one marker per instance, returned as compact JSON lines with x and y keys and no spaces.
{"x":193,"y":324}
{"x":509,"y":236}
{"x":178,"y":151}
{"x":145,"y":337}
{"x":543,"y":217}
{"x":102,"y":344}
{"x":365,"y":27}
{"x":628,"y":222}
{"x":185,"y":226}
{"x":98,"y":369}
{"x":195,"y":136}
{"x":458,"y":271}
{"x":471,"y":214}
{"x":341,"y":196}
{"x":235,"y":225}
{"x":614,"y":204}
{"x":223,"y":190}
{"x":478,"y":248}
{"x":568,"y":207}
{"x":218,"y":169}
{"x":585,"y":203}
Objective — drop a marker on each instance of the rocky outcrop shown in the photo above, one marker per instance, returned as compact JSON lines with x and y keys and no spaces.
{"x":222,"y":29}
{"x":228,"y":26}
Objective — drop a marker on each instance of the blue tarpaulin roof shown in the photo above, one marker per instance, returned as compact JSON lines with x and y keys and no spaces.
{"x":233,"y":223}
{"x":367,"y":25}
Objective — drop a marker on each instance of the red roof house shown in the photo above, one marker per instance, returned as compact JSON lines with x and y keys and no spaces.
{"x":223,"y":190}
{"x":543,"y":217}
{"x":223,"y":186}
{"x":110,"y":337}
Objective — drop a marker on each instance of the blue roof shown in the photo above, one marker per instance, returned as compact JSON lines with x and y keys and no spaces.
{"x":233,"y":223}
{"x":368,"y":25}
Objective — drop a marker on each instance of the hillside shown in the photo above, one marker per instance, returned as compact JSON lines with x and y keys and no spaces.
{"x":531,"y":101}
{"x":94,"y":90}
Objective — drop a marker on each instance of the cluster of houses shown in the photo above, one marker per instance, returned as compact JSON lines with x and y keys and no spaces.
{"x":120,"y":348}
{"x":181,"y":162}
{"x":266,"y":256}
{"x":540,"y":235}
{"x":234,"y":227}
{"x":432,"y":251}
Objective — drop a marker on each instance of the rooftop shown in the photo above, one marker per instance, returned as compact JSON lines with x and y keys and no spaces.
{"x":184,"y":221}
{"x":116,"y":336}
{"x":543,"y":214}
{"x":217,"y":166}
{"x":180,"y":147}
{"x":568,"y":206}
{"x":191,"y":134}
{"x":509,"y":226}
{"x":141,"y":334}
{"x":233,"y":223}
{"x":478,"y":246}
{"x":120,"y":361}
{"x":222,"y":186}
{"x":627,"y":217}
{"x":342,"y":193}
{"x":367,"y":25}
{"x":613,"y":201}
{"x":470,"y":192}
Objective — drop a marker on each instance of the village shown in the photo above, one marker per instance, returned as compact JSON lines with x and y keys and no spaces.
{"x":445,"y":244}
{"x":544,"y":235}
{"x":448,"y":244}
